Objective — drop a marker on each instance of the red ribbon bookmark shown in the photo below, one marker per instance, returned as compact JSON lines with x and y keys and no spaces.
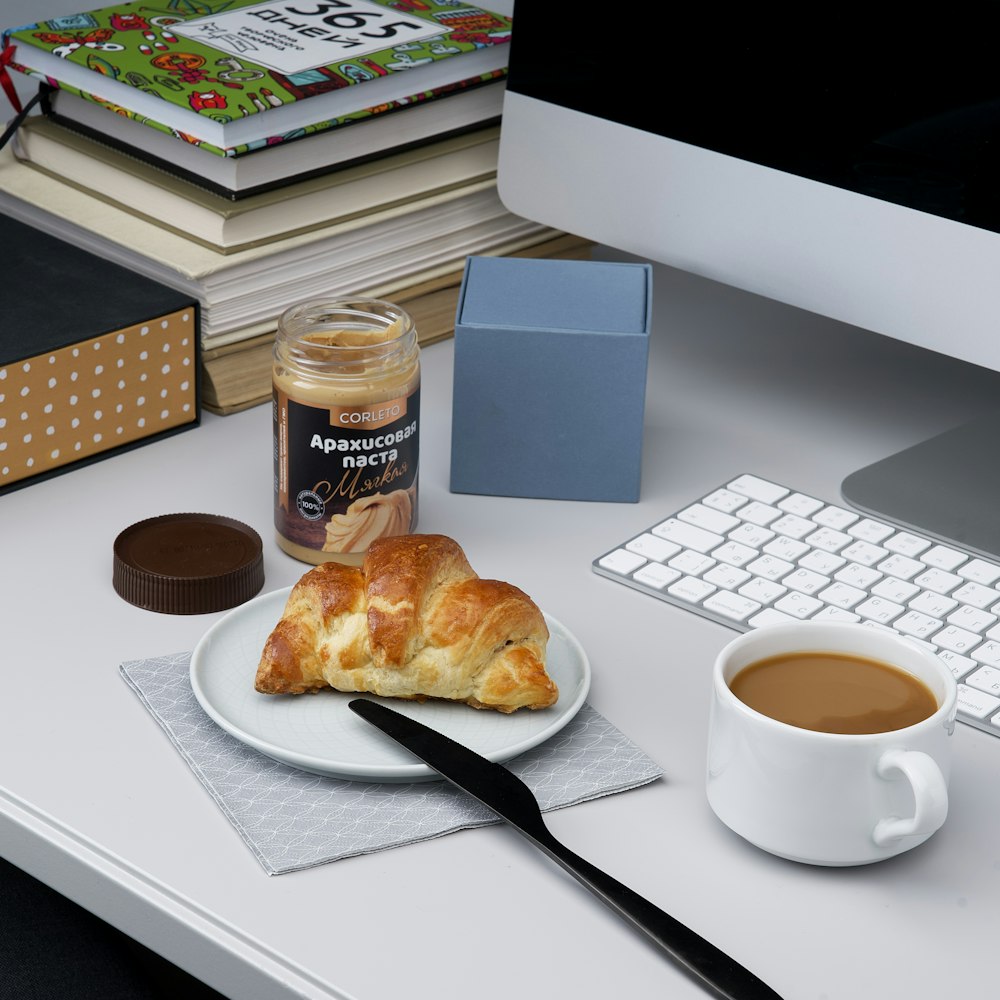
{"x":6,"y":58}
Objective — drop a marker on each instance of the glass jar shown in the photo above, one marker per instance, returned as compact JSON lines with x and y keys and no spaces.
{"x":346,"y":414}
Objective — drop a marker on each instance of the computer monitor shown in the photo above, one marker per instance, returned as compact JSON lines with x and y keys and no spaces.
{"x":845,"y":163}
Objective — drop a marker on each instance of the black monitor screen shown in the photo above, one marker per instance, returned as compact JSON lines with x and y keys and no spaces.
{"x":904,"y":106}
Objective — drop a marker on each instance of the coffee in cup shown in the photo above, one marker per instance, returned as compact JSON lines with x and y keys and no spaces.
{"x":834,"y":692}
{"x":830,"y":743}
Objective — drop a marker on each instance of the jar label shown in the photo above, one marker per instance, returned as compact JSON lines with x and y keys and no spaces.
{"x":345,"y":475}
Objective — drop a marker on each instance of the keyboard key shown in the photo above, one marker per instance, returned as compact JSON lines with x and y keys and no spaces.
{"x":977,"y":704}
{"x":806,"y":581}
{"x":980,"y":571}
{"x":935,"y":605}
{"x":724,"y":500}
{"x":758,"y":489}
{"x":828,"y":539}
{"x":688,"y":536}
{"x":786,"y":548}
{"x":835,"y":517}
{"x":857,"y":576}
{"x":894,"y":589}
{"x":938,"y":580}
{"x":793,"y":526}
{"x":958,"y":640}
{"x":825,"y":563}
{"x":900,"y":566}
{"x":918,"y":625}
{"x":864,"y":553}
{"x":759,"y":513}
{"x":840,"y":595}
{"x":832,"y":614}
{"x":750,"y":534}
{"x":944,"y":558}
{"x":692,"y":563}
{"x":770,"y":567}
{"x":870,"y":531}
{"x":622,"y":561}
{"x":691,"y":589}
{"x":867,"y":622}
{"x":798,"y":605}
{"x":906,"y":544}
{"x":656,"y":575}
{"x":735,"y":553}
{"x":977,"y":595}
{"x":652,"y":547}
{"x":985,"y":679}
{"x":879,"y":609}
{"x":762,"y":591}
{"x":959,"y":665}
{"x":730,"y":605}
{"x":988,"y":653}
{"x":726,"y":576}
{"x":800,"y":504}
{"x":973,"y":619}
{"x":712,"y":520}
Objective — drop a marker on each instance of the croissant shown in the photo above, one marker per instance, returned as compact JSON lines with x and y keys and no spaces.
{"x":413,"y":621}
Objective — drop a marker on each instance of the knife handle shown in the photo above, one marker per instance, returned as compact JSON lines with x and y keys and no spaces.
{"x":712,"y":968}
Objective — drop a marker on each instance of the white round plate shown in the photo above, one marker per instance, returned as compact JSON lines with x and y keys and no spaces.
{"x":319,"y":733}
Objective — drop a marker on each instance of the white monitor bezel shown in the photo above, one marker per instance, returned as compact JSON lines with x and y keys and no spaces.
{"x":894,"y":270}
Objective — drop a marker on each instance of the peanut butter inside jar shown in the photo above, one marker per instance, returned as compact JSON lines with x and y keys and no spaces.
{"x":346,"y":413}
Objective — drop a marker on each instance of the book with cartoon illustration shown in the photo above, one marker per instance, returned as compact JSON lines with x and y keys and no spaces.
{"x":231,"y":74}
{"x":238,"y":171}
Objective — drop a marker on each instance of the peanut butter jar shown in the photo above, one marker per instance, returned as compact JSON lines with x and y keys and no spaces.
{"x":346,"y":414}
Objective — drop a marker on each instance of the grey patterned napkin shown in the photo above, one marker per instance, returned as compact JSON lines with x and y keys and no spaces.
{"x":292,"y":819}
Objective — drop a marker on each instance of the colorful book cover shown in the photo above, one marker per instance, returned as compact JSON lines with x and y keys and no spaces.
{"x":231,"y":60}
{"x":242,"y":149}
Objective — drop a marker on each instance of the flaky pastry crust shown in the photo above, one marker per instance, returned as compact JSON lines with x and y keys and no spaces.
{"x":414,"y":621}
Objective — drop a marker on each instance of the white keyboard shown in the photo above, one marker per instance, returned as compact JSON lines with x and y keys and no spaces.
{"x":753,"y":552}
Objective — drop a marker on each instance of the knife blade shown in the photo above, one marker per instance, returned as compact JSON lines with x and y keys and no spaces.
{"x":512,"y":800}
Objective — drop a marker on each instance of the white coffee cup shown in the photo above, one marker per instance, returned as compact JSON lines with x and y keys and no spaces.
{"x":829,"y":798}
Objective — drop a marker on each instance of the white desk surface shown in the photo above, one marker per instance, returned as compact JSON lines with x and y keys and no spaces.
{"x":96,"y":802}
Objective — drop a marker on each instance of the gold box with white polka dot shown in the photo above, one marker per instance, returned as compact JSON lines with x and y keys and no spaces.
{"x":67,"y":401}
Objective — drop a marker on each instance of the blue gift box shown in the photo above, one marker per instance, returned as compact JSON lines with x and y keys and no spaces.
{"x":550,"y":378}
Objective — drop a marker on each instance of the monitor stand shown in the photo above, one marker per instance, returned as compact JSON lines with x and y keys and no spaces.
{"x":947,"y":487}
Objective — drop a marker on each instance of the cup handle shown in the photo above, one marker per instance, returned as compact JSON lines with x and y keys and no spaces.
{"x":930,"y":796}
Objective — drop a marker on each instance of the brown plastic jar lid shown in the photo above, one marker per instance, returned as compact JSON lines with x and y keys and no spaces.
{"x":188,"y":564}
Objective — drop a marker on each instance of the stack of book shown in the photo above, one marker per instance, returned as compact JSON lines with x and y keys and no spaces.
{"x":222,"y":152}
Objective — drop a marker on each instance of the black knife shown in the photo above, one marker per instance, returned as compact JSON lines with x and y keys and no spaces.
{"x":508,"y":796}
